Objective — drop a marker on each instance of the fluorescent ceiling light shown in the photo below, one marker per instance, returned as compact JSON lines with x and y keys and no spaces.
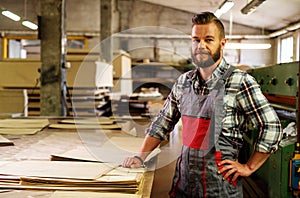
{"x":278,"y":33}
{"x":251,"y":6}
{"x":11,"y":15}
{"x":224,"y":7}
{"x":29,"y":25}
{"x":247,"y":46}
{"x":245,"y":36}
{"x":293,"y":27}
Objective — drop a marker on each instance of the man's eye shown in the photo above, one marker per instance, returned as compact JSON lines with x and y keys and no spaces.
{"x":196,"y":41}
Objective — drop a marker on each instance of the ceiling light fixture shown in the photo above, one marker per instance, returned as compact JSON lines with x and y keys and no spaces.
{"x":29,"y":25}
{"x":26,"y":22}
{"x":251,"y":6}
{"x":247,"y":46}
{"x":11,"y":15}
{"x":224,"y":7}
{"x":278,"y":33}
{"x":293,"y":27}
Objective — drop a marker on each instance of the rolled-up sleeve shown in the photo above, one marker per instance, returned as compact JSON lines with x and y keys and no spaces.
{"x":167,"y":118}
{"x":255,"y":106}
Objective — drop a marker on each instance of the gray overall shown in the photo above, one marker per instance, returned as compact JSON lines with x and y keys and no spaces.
{"x":204,"y":146}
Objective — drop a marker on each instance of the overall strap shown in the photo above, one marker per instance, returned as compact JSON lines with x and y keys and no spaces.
{"x":217,"y":87}
{"x":221,"y":81}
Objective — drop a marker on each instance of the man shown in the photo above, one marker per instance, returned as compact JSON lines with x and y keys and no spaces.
{"x":214,"y":101}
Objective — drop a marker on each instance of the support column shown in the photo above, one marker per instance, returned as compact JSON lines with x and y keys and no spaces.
{"x":53,"y":41}
{"x":106,"y":28}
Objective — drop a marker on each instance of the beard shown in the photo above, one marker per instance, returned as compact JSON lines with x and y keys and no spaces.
{"x":209,"y":59}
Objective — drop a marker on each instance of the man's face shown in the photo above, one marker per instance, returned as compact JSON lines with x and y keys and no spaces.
{"x":206,"y":45}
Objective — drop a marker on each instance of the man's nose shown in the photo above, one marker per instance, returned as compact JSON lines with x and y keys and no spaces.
{"x":201,"y":44}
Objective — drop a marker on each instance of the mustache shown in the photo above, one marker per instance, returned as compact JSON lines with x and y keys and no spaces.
{"x":202,"y":52}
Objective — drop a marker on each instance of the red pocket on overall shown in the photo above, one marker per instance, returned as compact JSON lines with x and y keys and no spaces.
{"x":195,"y":133}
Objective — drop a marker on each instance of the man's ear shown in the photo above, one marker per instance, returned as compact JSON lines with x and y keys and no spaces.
{"x":223,"y":42}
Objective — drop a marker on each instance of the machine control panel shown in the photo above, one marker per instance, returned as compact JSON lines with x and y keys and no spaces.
{"x":280,"y":79}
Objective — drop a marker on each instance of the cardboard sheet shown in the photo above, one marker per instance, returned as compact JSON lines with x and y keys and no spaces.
{"x":20,"y":126}
{"x":99,"y":147}
{"x":19,"y":131}
{"x":125,"y":117}
{"x":92,"y":121}
{"x":75,"y":176}
{"x":68,"y":194}
{"x":23,"y":123}
{"x":84,"y":126}
{"x":123,"y":180}
{"x":71,"y":188}
{"x":80,"y":153}
{"x":5,"y":142}
{"x":55,"y":169}
{"x":52,"y":142}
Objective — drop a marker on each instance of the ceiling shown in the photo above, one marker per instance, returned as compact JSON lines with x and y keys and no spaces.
{"x":272,"y":15}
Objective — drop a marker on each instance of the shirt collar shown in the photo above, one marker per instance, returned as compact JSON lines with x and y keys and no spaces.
{"x":220,"y":70}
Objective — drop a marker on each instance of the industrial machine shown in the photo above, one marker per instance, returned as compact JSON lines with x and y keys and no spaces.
{"x":280,"y":175}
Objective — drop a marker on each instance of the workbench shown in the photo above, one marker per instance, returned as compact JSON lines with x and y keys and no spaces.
{"x":36,"y":147}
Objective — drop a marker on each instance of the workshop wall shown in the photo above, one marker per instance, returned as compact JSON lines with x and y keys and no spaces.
{"x":143,"y":14}
{"x":83,"y":18}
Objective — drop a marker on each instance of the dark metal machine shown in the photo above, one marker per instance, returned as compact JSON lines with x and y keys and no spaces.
{"x":281,"y":173}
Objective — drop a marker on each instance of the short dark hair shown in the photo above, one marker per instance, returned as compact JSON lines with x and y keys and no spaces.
{"x":208,"y":17}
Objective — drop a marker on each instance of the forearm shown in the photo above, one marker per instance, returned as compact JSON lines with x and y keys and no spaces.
{"x":149,"y":144}
{"x":256,"y":160}
{"x":237,"y":169}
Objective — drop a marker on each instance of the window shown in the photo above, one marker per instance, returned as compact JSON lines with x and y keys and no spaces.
{"x":286,"y":49}
{"x":29,"y":46}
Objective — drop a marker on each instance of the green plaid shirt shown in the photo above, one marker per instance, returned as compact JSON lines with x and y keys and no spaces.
{"x":243,"y":100}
